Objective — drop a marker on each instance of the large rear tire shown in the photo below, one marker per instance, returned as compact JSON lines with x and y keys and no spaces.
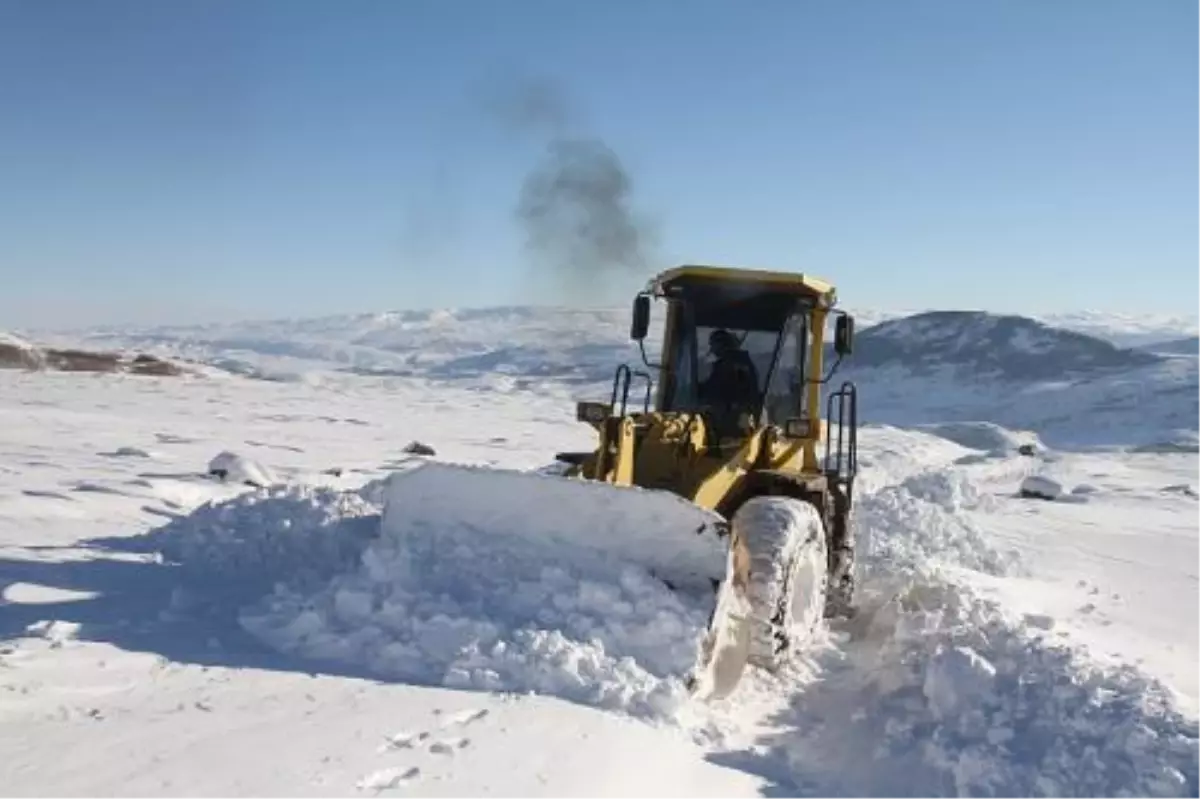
{"x":772,"y":600}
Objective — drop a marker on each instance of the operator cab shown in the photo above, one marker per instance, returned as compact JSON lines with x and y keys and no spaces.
{"x":736,"y":343}
{"x":708,"y":330}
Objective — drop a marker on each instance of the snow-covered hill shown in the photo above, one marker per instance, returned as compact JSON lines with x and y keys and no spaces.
{"x":1073,"y":389}
{"x":986,"y":346}
{"x":1122,"y":329}
{"x":1179,"y":346}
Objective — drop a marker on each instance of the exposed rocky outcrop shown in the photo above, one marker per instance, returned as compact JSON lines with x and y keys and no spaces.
{"x":16,"y":353}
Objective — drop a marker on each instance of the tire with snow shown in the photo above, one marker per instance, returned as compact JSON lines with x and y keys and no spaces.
{"x":772,"y":599}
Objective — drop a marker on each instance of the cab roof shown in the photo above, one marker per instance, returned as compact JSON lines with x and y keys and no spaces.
{"x":682,"y":278}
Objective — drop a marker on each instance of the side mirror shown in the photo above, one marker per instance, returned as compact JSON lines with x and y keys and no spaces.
{"x":843,"y":335}
{"x":641,"y":318}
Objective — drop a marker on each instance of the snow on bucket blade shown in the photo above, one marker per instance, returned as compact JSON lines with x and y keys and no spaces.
{"x":674,"y":539}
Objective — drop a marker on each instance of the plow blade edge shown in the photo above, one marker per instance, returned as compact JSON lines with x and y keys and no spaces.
{"x":674,"y":539}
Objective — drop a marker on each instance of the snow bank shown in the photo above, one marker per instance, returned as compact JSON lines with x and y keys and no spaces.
{"x":497,"y":617}
{"x":916,"y":525}
{"x":943,"y":694}
{"x":987,"y":437}
{"x":939,"y":691}
{"x":460,"y":610}
{"x":412,"y":594}
{"x":517,"y":597}
{"x":298,"y":535}
{"x":893,"y":451}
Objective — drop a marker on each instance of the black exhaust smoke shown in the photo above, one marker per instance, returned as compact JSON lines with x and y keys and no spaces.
{"x":575,"y":205}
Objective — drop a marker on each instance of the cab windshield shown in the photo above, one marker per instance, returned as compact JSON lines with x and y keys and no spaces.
{"x":724,"y":368}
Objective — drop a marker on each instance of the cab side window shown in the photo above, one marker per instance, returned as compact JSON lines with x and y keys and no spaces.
{"x":786,"y":395}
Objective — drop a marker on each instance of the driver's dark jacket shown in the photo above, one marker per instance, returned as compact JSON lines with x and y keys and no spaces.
{"x":733,"y":380}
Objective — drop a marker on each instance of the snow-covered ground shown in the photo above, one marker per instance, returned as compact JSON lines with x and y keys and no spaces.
{"x":163,"y":632}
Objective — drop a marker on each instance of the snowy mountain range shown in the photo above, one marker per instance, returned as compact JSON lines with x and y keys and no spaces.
{"x":564,"y":341}
{"x":927,"y":367}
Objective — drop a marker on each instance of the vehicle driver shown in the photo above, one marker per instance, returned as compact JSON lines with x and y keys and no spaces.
{"x":733,"y":380}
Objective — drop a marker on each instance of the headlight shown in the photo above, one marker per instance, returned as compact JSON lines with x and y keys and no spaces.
{"x":594,"y":412}
{"x":798,"y":427}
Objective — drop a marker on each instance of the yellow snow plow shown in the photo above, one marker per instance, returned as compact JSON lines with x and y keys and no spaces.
{"x":715,"y":469}
{"x":730,"y":418}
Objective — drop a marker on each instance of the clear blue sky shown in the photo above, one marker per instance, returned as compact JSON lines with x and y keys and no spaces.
{"x":182,"y":161}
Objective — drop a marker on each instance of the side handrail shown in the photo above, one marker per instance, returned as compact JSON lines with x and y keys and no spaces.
{"x":622,"y":382}
{"x":842,"y":462}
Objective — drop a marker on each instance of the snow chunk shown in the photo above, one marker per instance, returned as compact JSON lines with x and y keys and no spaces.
{"x":956,"y":678}
{"x":419,"y":448}
{"x":130,"y":452}
{"x":1037,"y":486}
{"x":233,"y":468}
{"x":55,"y":631}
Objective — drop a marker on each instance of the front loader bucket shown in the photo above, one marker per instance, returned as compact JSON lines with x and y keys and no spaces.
{"x":677,"y":541}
